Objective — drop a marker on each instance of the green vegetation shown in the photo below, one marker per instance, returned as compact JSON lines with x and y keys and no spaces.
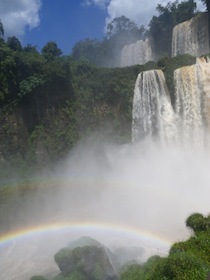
{"x":48,"y":102}
{"x":189,"y":259}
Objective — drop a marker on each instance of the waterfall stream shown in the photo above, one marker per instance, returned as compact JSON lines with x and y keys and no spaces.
{"x":137,"y":53}
{"x":153,"y":115}
{"x":191,"y":37}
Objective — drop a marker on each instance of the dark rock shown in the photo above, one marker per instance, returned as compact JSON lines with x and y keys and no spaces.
{"x":92,"y":261}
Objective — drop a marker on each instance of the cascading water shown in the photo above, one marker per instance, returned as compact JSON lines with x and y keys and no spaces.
{"x":138,"y":53}
{"x":188,"y":105}
{"x":153,"y":116}
{"x":191,"y":37}
{"x":187,"y":123}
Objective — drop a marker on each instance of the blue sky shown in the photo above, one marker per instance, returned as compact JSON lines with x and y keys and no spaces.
{"x":66,"y":22}
{"x":37,"y":22}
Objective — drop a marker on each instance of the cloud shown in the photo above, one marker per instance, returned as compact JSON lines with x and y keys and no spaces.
{"x":100,"y":3}
{"x":17,"y":15}
{"x":140,"y":12}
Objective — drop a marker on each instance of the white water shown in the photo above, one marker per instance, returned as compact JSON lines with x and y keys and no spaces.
{"x":138,"y":53}
{"x":189,"y":98}
{"x":191,"y":37}
{"x":153,"y":116}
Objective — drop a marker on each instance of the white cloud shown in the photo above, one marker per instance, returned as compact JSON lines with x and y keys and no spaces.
{"x":16,"y":15}
{"x":139,"y":11}
{"x":100,"y":3}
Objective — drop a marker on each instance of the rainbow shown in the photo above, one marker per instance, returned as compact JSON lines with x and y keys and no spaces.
{"x":107,"y":229}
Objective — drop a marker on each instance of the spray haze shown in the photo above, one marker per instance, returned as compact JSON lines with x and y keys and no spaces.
{"x":149,"y":188}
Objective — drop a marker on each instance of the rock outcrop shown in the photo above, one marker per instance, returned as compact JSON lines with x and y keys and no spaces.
{"x":89,"y":262}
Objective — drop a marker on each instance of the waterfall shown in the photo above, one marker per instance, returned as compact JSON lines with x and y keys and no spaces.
{"x":191,"y":37}
{"x":137,"y":53}
{"x":153,"y":116}
{"x":192,"y":94}
{"x":188,"y":104}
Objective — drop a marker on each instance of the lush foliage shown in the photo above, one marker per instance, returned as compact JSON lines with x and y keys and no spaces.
{"x":48,"y":104}
{"x":189,"y":259}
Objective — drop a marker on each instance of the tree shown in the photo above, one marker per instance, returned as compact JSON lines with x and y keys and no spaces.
{"x":30,"y":48}
{"x":180,"y":266}
{"x":120,"y":24}
{"x":207,"y":3}
{"x":198,"y":223}
{"x":1,"y":30}
{"x":50,"y":51}
{"x":125,"y":30}
{"x":90,"y":50}
{"x":14,"y":44}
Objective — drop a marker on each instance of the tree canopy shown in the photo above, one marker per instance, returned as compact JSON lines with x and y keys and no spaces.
{"x":1,"y":29}
{"x":51,"y":50}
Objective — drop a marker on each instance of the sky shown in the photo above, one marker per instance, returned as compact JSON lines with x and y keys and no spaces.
{"x":66,"y":22}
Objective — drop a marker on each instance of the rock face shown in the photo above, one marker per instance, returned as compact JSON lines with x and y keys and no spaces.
{"x":191,"y":37}
{"x":138,"y":53}
{"x":188,"y":123}
{"x":88,"y":262}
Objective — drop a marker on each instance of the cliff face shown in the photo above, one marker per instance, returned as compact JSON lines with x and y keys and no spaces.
{"x":191,"y":37}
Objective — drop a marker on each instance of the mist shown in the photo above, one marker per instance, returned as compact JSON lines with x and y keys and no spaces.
{"x":147,"y":187}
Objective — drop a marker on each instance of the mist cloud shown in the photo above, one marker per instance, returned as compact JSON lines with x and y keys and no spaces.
{"x":17,"y":15}
{"x":143,"y":186}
